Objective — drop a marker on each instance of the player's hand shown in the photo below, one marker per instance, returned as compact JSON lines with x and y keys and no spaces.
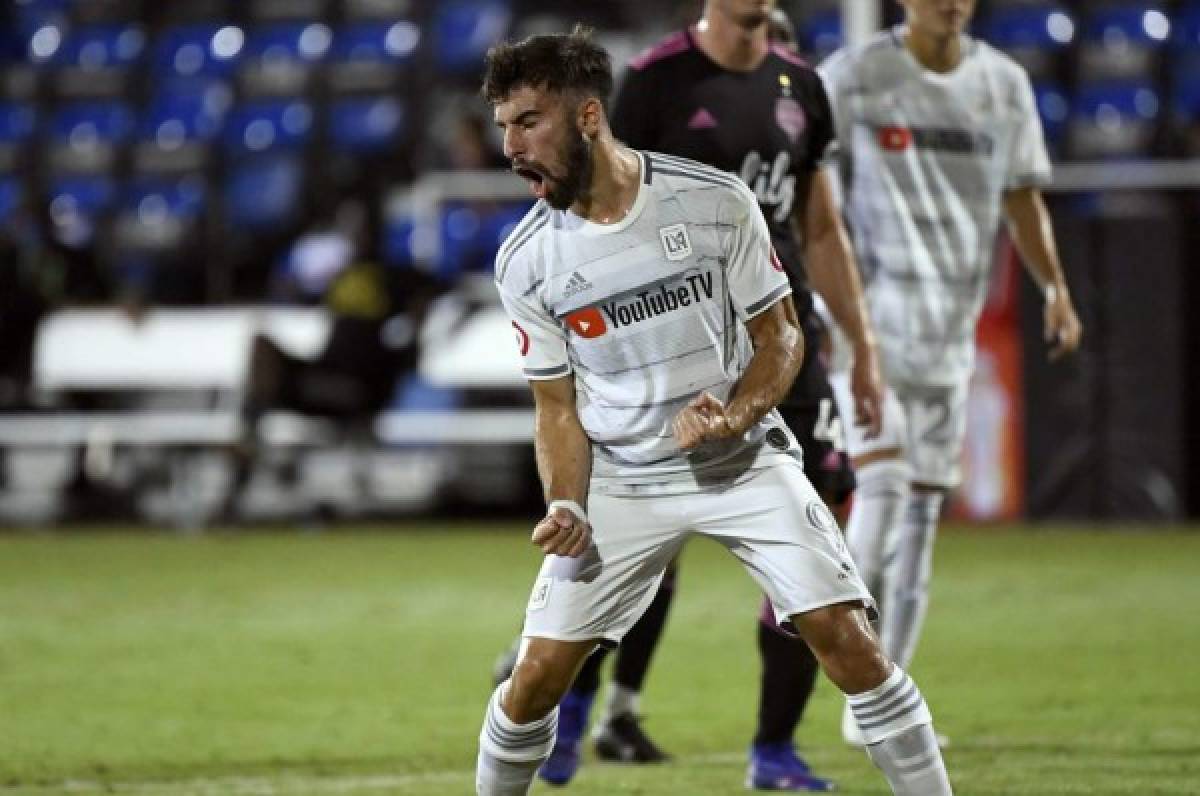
{"x":1061,"y":325}
{"x":866,"y":387}
{"x":561,"y":533}
{"x":702,"y":420}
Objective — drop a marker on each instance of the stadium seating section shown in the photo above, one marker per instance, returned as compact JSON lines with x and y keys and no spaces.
{"x":211,"y":125}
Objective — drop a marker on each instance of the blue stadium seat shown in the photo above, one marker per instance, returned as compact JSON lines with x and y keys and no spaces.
{"x":18,"y":121}
{"x":372,"y":56}
{"x":268,"y":125}
{"x":1185,"y":113}
{"x":82,"y":123}
{"x":85,"y":196}
{"x":96,"y":47}
{"x":206,"y":50}
{"x":11,"y":194}
{"x":1114,"y":119}
{"x":86,"y":137}
{"x":194,"y":111}
{"x":1122,"y":40}
{"x":155,"y":214}
{"x":819,"y":33}
{"x":263,"y":192}
{"x":1033,"y":34}
{"x":463,"y":30}
{"x":366,"y":125}
{"x":1054,"y":109}
{"x":280,"y":58}
{"x":98,"y":60}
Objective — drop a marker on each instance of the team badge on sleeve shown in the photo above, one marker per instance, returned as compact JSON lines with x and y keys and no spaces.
{"x":522,"y":339}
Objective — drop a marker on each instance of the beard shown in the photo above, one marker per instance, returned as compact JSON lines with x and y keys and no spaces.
{"x":577,"y":174}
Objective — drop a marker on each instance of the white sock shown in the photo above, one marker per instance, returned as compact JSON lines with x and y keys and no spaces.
{"x":875,"y":516}
{"x":510,"y":753}
{"x":907,"y":577}
{"x":898,"y":730}
{"x":620,"y":701}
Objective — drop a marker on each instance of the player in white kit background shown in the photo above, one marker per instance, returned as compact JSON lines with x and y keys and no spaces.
{"x":658,"y":334}
{"x":938,"y":140}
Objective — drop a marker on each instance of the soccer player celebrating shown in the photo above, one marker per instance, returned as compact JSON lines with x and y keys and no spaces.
{"x":939,"y":137}
{"x":721,"y":92}
{"x":658,"y":333}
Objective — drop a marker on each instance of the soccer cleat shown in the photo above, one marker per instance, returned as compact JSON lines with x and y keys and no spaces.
{"x":776,"y":766}
{"x":622,"y":740}
{"x":564,"y":758}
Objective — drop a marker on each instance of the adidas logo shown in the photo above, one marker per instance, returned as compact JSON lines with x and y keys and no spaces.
{"x":576,"y":284}
{"x":702,"y":120}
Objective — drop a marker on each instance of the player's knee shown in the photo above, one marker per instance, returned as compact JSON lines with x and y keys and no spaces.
{"x":537,"y":685}
{"x":841,"y":638}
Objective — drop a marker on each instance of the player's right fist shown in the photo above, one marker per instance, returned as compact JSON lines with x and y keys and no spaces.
{"x":561,"y":533}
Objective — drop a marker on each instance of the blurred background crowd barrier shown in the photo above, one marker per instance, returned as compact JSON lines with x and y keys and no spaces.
{"x":181,"y":180}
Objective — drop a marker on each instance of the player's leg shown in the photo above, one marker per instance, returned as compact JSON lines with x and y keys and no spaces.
{"x":797,"y":554}
{"x":573,"y":712}
{"x":789,"y":669}
{"x":522,"y":715}
{"x":890,"y":711}
{"x":599,"y":595}
{"x":936,"y":418}
{"x":880,"y":499}
{"x":619,"y":735}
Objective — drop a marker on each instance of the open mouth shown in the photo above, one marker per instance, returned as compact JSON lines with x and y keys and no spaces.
{"x":534,"y":179}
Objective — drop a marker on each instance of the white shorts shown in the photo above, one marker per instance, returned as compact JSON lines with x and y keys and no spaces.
{"x":927,"y":423}
{"x":773,"y":522}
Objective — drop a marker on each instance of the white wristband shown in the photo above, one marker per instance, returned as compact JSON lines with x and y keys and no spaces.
{"x":1051,"y":294}
{"x":569,"y":505}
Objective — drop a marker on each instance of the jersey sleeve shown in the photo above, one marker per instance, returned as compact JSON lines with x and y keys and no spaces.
{"x":756,"y":276}
{"x":541,"y":340}
{"x":835,"y":72}
{"x":1028,"y":163}
{"x":820,"y":119}
{"x":632,"y":118}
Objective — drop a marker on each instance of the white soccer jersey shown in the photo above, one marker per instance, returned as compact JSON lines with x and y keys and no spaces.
{"x":925,"y":159}
{"x":647,"y":313}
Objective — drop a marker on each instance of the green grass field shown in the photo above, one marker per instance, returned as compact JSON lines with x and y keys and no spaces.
{"x":1059,"y":662}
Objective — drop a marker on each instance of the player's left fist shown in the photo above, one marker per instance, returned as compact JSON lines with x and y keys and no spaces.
{"x":702,"y":420}
{"x":1063,"y":329}
{"x":561,"y":533}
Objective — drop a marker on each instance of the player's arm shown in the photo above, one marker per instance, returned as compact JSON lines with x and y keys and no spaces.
{"x":564,"y":461}
{"x":833,"y":272}
{"x":1032,"y":232}
{"x":778,"y":352}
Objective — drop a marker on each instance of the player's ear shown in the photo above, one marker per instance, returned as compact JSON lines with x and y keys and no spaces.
{"x":590,"y":117}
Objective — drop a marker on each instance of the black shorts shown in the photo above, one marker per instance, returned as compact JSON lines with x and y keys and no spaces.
{"x":811,"y":413}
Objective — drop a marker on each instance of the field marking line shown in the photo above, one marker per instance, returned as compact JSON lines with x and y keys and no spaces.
{"x":293,"y":783}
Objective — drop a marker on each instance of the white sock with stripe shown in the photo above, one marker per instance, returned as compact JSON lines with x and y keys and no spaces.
{"x":510,"y":753}
{"x":907,"y":577}
{"x":898,"y":729}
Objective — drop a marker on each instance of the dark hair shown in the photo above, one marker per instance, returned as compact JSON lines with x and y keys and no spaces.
{"x":560,"y":63}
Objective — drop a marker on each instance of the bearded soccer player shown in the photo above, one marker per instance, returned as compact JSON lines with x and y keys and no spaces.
{"x":658,"y":334}
{"x":939,"y":139}
{"x":722,"y":92}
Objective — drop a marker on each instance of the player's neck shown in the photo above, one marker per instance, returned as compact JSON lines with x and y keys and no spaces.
{"x":616,"y":179}
{"x":935,"y":53}
{"x":731,"y":45}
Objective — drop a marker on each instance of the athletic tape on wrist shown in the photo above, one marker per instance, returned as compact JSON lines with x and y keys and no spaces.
{"x":569,"y":505}
{"x":1051,"y":294}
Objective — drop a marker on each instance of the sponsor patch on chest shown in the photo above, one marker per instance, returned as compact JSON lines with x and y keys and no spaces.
{"x":676,"y":244}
